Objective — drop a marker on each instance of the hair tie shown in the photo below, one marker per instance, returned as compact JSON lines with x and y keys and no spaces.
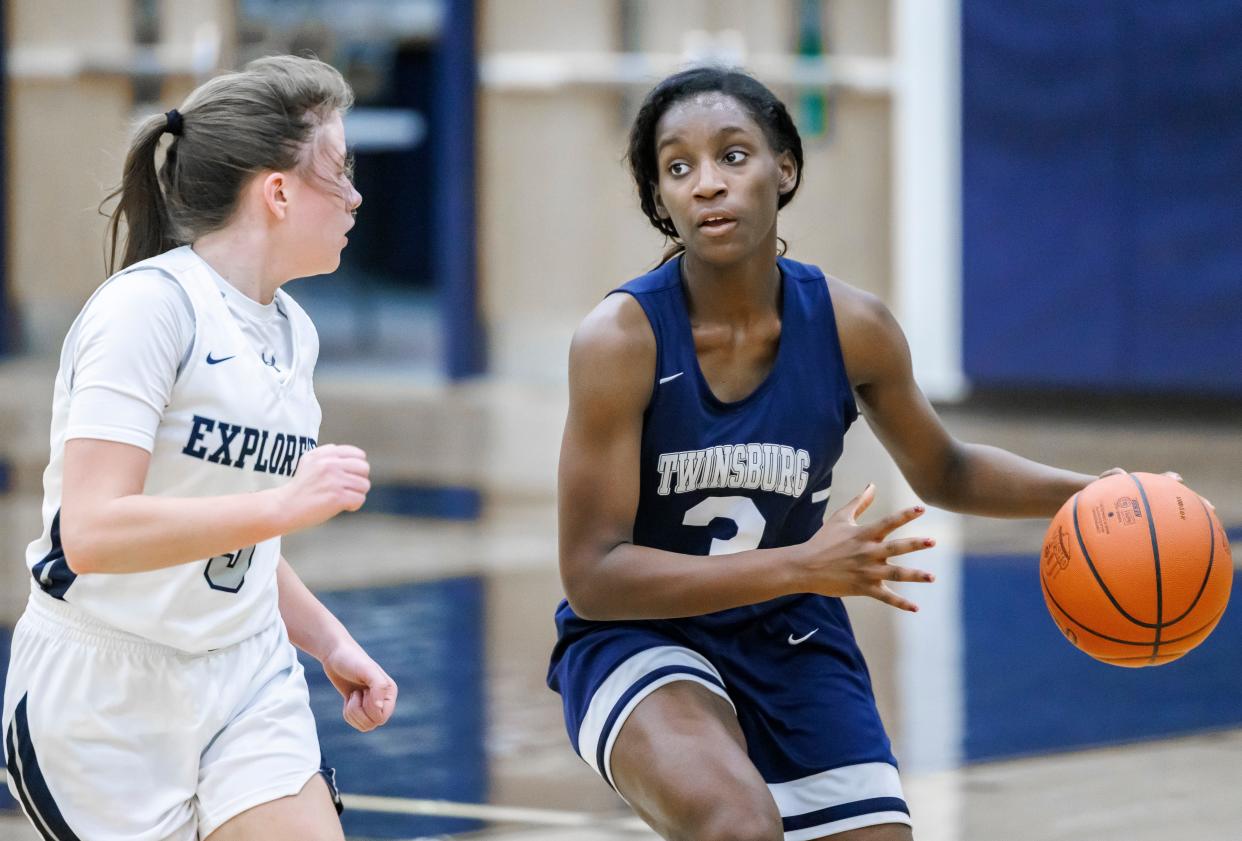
{"x":174,"y":124}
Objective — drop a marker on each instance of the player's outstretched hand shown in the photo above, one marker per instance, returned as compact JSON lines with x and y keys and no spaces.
{"x":848,"y":559}
{"x":330,"y":479}
{"x":370,"y":694}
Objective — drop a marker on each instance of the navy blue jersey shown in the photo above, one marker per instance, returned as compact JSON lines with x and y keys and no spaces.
{"x":721,"y":477}
{"x":775,"y":448}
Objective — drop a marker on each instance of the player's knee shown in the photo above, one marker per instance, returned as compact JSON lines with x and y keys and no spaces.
{"x":738,"y":818}
{"x":880,"y":832}
{"x":738,"y":825}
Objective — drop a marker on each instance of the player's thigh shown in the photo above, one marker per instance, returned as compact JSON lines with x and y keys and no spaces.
{"x":680,"y":760}
{"x":268,"y":750}
{"x":309,"y":815}
{"x":883,"y":832}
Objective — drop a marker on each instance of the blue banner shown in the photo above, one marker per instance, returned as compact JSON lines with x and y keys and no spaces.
{"x":1102,"y":194}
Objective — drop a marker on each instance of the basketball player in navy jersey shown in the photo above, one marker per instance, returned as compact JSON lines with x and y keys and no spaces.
{"x":706,"y":662}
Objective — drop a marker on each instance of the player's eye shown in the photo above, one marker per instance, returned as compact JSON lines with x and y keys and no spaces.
{"x":735,"y":156}
{"x":678,"y":168}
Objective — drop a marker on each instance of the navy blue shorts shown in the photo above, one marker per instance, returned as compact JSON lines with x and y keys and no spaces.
{"x":794,"y":676}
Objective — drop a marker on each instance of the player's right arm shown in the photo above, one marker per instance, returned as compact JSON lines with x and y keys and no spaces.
{"x":107,"y":524}
{"x":612,"y":364}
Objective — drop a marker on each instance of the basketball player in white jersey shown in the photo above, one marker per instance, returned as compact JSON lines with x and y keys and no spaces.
{"x":153,"y":690}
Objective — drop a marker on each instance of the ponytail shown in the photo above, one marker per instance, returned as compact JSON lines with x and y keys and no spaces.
{"x":140,"y":200}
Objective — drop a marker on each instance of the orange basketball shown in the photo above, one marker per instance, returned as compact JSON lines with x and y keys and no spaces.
{"x":1136,"y":570}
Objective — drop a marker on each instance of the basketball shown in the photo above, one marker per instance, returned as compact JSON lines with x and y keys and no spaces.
{"x":1136,"y":570}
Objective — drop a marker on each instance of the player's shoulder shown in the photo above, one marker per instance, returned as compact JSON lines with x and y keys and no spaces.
{"x":865,"y":324}
{"x":855,"y":304}
{"x":870,"y":337}
{"x":615,"y":329}
{"x":133,"y":320}
{"x":612,"y":359}
{"x":848,"y":300}
{"x":620,"y":323}
{"x":147,"y":293}
{"x":145,"y":279}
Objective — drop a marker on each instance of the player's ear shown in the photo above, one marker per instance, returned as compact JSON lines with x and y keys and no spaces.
{"x":660,"y":209}
{"x":787,"y":168}
{"x":275,"y":191}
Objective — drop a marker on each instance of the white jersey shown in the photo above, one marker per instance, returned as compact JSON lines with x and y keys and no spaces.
{"x":231,"y":424}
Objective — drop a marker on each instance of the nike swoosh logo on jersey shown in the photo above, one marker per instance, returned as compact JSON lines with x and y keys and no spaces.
{"x":213,"y":361}
{"x":802,"y":639}
{"x":664,"y":380}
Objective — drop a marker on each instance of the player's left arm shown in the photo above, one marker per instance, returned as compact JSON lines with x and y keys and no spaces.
{"x":370,"y":694}
{"x":943,"y":471}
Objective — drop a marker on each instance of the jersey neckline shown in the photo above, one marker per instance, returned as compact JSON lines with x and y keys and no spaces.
{"x":218,"y":297}
{"x":705,"y":389}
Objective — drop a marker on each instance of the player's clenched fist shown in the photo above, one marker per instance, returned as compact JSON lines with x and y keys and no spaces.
{"x":330,"y":479}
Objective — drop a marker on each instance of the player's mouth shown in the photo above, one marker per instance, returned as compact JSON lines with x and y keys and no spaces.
{"x":716,"y":223}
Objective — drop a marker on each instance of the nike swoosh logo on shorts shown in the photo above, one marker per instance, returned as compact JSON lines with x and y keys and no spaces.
{"x":664,"y":380}
{"x":801,"y":640}
{"x":211,"y":361}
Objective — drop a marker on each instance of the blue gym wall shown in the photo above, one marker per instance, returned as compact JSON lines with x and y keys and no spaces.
{"x":1102,"y":194}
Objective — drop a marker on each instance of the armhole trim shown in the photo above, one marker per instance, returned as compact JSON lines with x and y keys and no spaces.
{"x":847,"y":387}
{"x":655,"y":334}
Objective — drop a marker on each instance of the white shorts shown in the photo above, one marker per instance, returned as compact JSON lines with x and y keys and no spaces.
{"x":110,"y":736}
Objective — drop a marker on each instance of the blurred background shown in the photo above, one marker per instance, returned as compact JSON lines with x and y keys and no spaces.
{"x":1047,"y":194}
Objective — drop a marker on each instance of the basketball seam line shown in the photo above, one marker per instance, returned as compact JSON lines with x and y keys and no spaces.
{"x":1099,"y":580}
{"x":1145,"y":657}
{"x":1208,"y":574}
{"x":1094,"y":632}
{"x":1155,"y":553}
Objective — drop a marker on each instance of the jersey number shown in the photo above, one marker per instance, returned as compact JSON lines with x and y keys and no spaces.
{"x":228,"y":572}
{"x":741,"y":510}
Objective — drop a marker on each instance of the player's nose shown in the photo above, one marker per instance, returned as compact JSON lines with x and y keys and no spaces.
{"x":710,"y":182}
